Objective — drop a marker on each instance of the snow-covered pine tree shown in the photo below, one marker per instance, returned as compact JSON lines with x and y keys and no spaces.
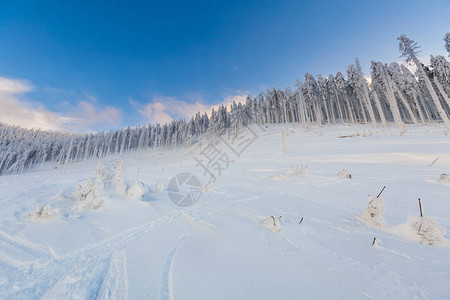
{"x":409,"y":50}
{"x":398,"y":86}
{"x":447,"y":42}
{"x":441,"y":77}
{"x":380,"y":74}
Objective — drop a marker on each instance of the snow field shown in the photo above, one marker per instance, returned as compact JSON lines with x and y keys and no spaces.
{"x":226,"y":246}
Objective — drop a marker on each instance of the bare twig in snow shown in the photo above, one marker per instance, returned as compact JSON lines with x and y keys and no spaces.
{"x":381,"y":191}
{"x":420,"y":208}
{"x":434,"y":162}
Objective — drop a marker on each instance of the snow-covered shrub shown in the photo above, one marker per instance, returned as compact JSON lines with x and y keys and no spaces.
{"x":119,"y":180}
{"x":90,"y":196}
{"x":343,"y":173}
{"x":137,"y":191}
{"x":160,"y":185}
{"x":373,"y":215}
{"x":104,"y":174}
{"x":424,"y":230}
{"x":93,"y":194}
{"x":121,"y":187}
{"x":42,"y":213}
{"x":304,"y":170}
{"x":297,"y":172}
{"x":292,"y":173}
{"x":283,"y":140}
{"x":443,"y":178}
{"x":272,"y":224}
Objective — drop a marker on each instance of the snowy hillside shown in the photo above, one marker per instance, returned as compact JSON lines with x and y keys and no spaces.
{"x":286,"y":215}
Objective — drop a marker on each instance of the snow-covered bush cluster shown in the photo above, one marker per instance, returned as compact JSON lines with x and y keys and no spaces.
{"x":89,"y":196}
{"x":298,"y":172}
{"x":373,"y":215}
{"x":424,"y":230}
{"x":108,"y":183}
{"x":94,"y":193}
{"x":394,"y":94}
{"x":44,"y":212}
{"x":420,"y":229}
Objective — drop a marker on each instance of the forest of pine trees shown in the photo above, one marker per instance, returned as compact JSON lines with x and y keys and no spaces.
{"x":393,"y":94}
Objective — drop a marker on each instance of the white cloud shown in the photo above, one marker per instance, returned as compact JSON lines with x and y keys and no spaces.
{"x":165,"y":109}
{"x":86,"y":115}
{"x":15,"y":109}
{"x":16,"y":112}
{"x":15,"y":86}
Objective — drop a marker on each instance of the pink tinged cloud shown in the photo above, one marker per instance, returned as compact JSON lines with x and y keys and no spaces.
{"x":31,"y":114}
{"x":87,"y":114}
{"x":165,"y":109}
{"x":13,"y":111}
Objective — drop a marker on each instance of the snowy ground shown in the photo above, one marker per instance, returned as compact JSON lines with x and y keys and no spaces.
{"x":219,"y":247}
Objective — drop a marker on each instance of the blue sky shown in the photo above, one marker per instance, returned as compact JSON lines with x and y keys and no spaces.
{"x":96,"y":65}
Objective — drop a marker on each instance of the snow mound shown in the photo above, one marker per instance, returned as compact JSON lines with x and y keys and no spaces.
{"x":373,"y":215}
{"x":137,"y":191}
{"x":424,"y":230}
{"x":42,"y":213}
{"x":278,"y":177}
{"x":272,"y":224}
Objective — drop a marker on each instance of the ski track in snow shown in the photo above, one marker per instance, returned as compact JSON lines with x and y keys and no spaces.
{"x":115,"y":282}
{"x":167,"y":288}
{"x":78,"y":274}
{"x":16,"y":251}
